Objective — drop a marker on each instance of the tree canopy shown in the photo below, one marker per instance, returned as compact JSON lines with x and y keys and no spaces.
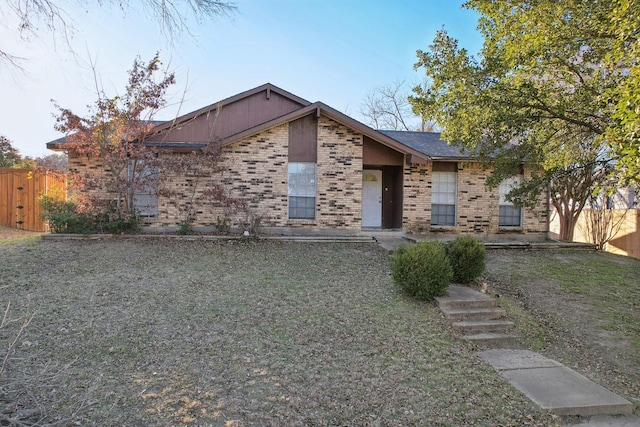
{"x":547,"y":92}
{"x":9,"y":155}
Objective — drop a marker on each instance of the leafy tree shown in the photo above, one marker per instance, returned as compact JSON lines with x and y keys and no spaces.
{"x":624,"y":27}
{"x":539,"y":95}
{"x":9,"y":155}
{"x":115,"y":135}
{"x":114,"y":131}
{"x":172,"y":15}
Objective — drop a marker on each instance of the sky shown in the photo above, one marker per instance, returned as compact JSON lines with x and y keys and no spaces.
{"x":333,"y":51}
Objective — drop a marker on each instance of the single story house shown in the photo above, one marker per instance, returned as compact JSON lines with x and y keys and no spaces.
{"x":303,"y":164}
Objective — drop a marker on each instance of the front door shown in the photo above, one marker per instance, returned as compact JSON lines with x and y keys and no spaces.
{"x":371,"y":198}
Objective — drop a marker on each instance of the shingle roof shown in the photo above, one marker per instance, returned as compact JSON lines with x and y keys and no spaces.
{"x":428,"y":143}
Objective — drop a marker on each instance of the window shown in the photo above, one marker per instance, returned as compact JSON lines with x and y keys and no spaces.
{"x":302,"y":190}
{"x":143,"y":180}
{"x":509,"y":215}
{"x":443,"y":198}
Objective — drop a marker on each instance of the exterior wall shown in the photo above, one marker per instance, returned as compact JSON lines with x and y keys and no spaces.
{"x":476,"y":206}
{"x":256,"y":170}
{"x":253,"y":170}
{"x":339,"y":176}
{"x":416,"y":210}
{"x":81,"y":168}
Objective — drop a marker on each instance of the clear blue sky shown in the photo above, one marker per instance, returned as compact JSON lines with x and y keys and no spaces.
{"x":334,"y":51}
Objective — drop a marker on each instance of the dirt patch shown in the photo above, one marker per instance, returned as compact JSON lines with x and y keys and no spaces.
{"x":586,"y":305}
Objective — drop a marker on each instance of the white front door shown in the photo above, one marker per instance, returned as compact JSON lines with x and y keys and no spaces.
{"x":372,"y":198}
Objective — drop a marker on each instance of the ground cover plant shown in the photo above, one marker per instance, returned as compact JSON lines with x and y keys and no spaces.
{"x":189,"y":332}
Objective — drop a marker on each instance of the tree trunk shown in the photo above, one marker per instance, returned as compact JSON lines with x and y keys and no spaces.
{"x":567,"y":226}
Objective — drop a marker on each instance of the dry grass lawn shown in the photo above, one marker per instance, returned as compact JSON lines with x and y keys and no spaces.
{"x":177,"y":332}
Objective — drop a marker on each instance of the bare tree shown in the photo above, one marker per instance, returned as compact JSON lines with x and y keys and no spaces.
{"x":172,"y":15}
{"x":605,"y":216}
{"x":387,"y":107}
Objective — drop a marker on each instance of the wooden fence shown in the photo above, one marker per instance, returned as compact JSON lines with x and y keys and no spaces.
{"x":625,"y":232}
{"x":19,"y":193}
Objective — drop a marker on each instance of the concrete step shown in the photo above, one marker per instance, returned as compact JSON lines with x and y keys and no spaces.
{"x":461,"y":297}
{"x":493,"y":340}
{"x":471,"y":327}
{"x":458,"y":314}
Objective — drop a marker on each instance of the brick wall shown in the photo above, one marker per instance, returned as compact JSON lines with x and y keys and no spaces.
{"x":477,"y":207}
{"x":339,"y":176}
{"x":255,"y":170}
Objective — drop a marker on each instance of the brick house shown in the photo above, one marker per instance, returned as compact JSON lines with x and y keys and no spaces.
{"x":303,"y":164}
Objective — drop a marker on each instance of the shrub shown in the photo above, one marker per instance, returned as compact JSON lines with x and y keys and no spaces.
{"x":63,"y":217}
{"x":223,"y":224}
{"x":467,"y":257}
{"x":422,"y":270}
{"x":120,"y":224}
{"x":185,"y":227}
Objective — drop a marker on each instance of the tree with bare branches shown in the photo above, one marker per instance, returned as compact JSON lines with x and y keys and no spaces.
{"x":172,"y":15}
{"x":387,"y":107}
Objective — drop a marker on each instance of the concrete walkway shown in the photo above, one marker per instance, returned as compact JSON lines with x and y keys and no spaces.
{"x":553,"y":386}
{"x":546,"y":382}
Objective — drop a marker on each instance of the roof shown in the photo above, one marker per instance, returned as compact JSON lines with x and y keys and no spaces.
{"x":220,"y":104}
{"x":428,"y":143}
{"x":418,"y":146}
{"x":58,"y":144}
{"x":319,"y":108}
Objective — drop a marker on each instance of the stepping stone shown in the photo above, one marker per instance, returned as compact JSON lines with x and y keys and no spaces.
{"x":553,"y":386}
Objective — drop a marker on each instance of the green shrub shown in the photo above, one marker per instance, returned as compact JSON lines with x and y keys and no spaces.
{"x":185,"y":227}
{"x":118,"y":225}
{"x":63,"y":217}
{"x":467,"y":257}
{"x":422,"y":270}
{"x":223,"y":224}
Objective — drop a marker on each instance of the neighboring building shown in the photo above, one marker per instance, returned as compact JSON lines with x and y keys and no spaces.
{"x":302,"y":164}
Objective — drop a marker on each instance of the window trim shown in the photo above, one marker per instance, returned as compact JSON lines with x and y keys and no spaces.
{"x":314,"y":182}
{"x":505,"y":186}
{"x":453,"y":193}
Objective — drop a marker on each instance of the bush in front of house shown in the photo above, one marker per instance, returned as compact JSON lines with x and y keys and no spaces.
{"x":467,"y":257}
{"x":64,"y":216}
{"x":422,"y":270}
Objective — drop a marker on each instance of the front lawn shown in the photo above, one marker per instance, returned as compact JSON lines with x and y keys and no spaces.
{"x":176,"y":332}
